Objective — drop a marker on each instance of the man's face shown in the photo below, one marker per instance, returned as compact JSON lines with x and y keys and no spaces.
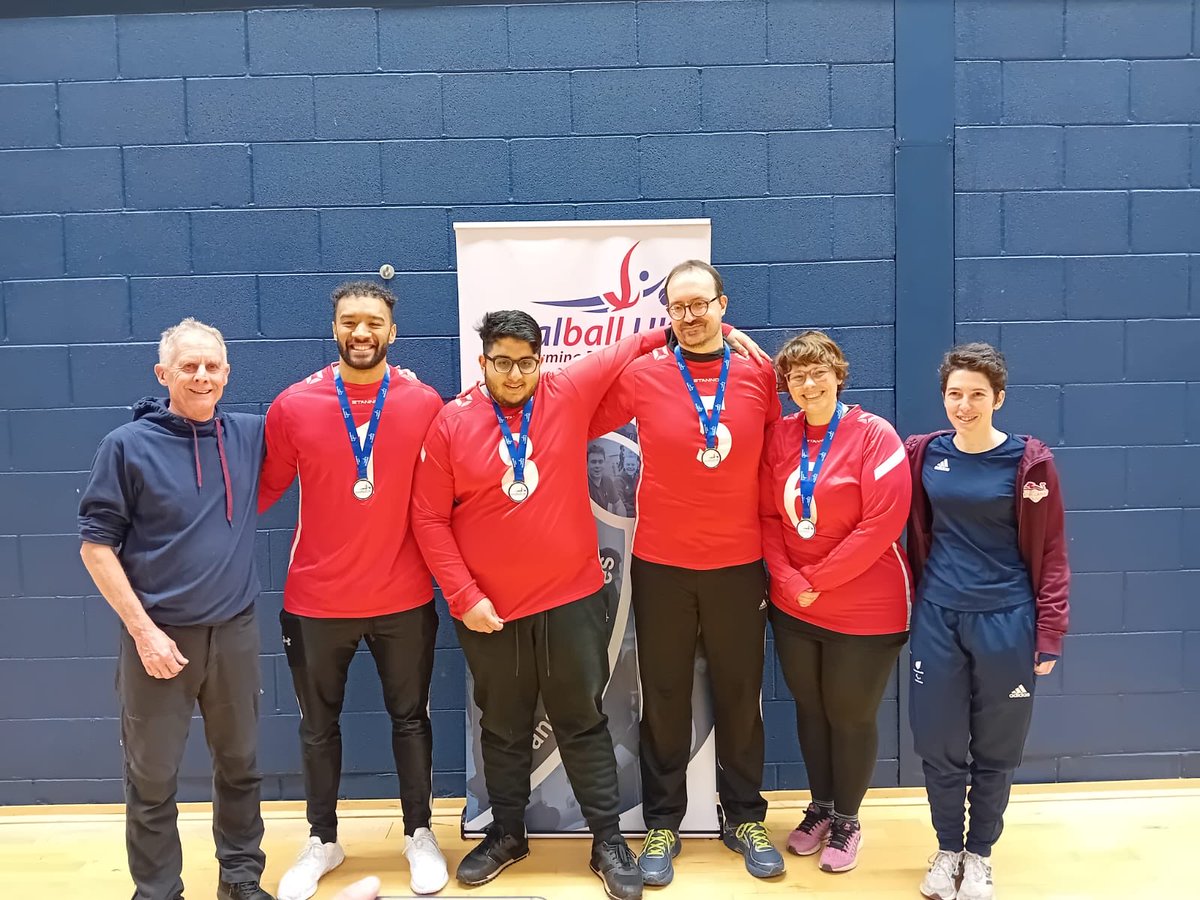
{"x":195,"y":375}
{"x":696,"y":332}
{"x":511,"y":388}
{"x":363,"y":329}
{"x":596,"y":461}
{"x":630,"y":464}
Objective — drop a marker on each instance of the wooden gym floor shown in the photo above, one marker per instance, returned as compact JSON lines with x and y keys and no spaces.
{"x":1061,"y":842}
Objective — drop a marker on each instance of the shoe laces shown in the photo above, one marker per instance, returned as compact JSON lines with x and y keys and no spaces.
{"x":813,"y":816}
{"x":841,"y":832}
{"x":976,"y":868}
{"x":658,"y":842}
{"x":495,"y":836}
{"x":618,"y":852}
{"x":244,"y":888}
{"x":944,"y":862}
{"x":754,"y":834}
{"x":424,"y":841}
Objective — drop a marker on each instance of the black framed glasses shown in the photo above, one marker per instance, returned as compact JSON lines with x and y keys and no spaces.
{"x":697,"y":308}
{"x":526,"y":365}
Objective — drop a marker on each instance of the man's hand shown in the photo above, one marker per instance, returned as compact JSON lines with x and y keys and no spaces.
{"x":367,"y":889}
{"x":1045,"y":667}
{"x":744,"y":345}
{"x":807,"y":598}
{"x":159,"y":655}
{"x":482,"y":617}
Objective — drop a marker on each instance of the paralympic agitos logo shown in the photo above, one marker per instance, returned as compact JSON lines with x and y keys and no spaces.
{"x":587,"y":334}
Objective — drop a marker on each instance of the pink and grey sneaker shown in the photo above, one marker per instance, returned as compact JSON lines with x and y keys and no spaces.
{"x":810,"y":834}
{"x":841,"y":850}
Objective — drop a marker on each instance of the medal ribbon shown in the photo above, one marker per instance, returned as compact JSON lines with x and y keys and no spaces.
{"x":517,"y":447}
{"x":362,"y":451}
{"x":707,"y":423}
{"x":808,"y":476}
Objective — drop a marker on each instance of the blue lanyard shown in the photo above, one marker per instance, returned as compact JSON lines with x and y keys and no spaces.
{"x":707,"y":423}
{"x":516,"y":448}
{"x":808,"y":478}
{"x":362,"y":452}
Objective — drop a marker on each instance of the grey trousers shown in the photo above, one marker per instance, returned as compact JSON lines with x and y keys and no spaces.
{"x":223,"y":676}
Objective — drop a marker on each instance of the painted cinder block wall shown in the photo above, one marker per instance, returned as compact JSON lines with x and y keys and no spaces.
{"x":236,"y":164}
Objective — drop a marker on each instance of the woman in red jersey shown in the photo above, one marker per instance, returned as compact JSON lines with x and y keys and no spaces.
{"x":834,"y":498}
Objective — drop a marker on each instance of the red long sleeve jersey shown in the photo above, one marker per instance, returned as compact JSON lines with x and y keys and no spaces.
{"x":860,"y":503}
{"x":690,"y":515}
{"x":525,"y":557}
{"x":350,"y":558}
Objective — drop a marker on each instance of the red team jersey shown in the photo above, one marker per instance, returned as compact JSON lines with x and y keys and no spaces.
{"x":525,"y":557}
{"x":690,"y":515}
{"x":346,"y":560}
{"x":860,"y":505}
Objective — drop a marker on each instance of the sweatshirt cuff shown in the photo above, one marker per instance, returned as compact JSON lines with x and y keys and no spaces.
{"x":462,"y":601}
{"x":795,"y":586}
{"x":1049,"y":643}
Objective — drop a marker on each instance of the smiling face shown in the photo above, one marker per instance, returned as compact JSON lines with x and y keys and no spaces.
{"x":363,"y":329}
{"x":194,"y":375}
{"x":813,"y":386}
{"x":970,"y":402}
{"x":513,"y":387}
{"x":700,"y":334}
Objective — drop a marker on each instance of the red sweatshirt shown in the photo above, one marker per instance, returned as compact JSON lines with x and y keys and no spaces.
{"x":1041,"y":533}
{"x":689,"y":515}
{"x":525,"y":557}
{"x":860,"y":502}
{"x":347,"y":559}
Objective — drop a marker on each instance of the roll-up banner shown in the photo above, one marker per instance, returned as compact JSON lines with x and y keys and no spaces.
{"x":587,"y":284}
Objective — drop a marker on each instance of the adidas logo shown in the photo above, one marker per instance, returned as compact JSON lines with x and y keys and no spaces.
{"x":762,"y":605}
{"x":943,"y":466}
{"x":1018,"y":692}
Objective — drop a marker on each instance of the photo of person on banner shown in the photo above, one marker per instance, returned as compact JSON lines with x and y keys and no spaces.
{"x":502,"y":516}
{"x":697,"y":574}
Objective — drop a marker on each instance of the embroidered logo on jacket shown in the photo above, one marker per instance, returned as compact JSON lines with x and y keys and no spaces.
{"x":1034,"y":491}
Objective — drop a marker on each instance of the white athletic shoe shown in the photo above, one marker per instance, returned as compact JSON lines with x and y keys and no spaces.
{"x":939,"y":880}
{"x":976,"y":879}
{"x":300,"y":881}
{"x":426,"y":866}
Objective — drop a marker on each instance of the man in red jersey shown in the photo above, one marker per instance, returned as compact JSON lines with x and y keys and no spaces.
{"x":351,"y":432}
{"x":501,"y":512}
{"x":697,"y":574}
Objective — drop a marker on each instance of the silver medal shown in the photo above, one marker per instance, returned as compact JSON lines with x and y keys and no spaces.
{"x":363,"y":488}
{"x":518,"y":491}
{"x":711,"y":457}
{"x":806,"y":529}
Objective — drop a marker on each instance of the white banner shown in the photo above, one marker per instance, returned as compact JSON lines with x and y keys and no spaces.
{"x":587,"y":284}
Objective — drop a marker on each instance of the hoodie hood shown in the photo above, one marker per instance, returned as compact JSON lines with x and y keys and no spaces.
{"x":155,"y":410}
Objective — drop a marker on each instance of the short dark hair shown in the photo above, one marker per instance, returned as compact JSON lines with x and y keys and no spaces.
{"x":595,"y":449}
{"x":811,"y":347}
{"x":975,"y":357}
{"x":509,"y":323}
{"x":690,"y":264}
{"x":364,"y":289}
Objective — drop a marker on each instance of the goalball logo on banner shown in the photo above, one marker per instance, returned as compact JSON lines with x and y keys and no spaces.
{"x":588,"y":284}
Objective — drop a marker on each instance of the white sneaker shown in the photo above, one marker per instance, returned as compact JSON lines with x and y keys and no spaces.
{"x":939,"y":880}
{"x":300,"y":881}
{"x":976,"y":879}
{"x":426,"y":866}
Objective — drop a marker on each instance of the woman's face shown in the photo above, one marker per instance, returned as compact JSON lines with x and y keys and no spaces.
{"x":814,"y":388}
{"x":970,"y":401}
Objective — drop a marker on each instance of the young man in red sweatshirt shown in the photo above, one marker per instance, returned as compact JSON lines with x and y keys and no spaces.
{"x":351,"y":433}
{"x":697,"y":573}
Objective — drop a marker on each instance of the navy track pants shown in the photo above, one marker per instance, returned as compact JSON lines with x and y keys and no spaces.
{"x":970,"y":707}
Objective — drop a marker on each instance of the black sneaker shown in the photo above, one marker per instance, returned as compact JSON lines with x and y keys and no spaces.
{"x":498,"y":850}
{"x":242,"y":890}
{"x":752,"y":841}
{"x":661,"y":846}
{"x":614,"y":862}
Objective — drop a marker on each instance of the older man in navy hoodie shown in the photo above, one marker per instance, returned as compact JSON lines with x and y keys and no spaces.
{"x":167,"y":522}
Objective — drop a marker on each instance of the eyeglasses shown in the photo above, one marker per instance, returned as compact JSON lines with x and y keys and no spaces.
{"x":526,"y":365}
{"x":697,"y":307}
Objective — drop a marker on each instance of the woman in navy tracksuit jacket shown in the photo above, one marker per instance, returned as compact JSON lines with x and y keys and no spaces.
{"x":988,"y":553}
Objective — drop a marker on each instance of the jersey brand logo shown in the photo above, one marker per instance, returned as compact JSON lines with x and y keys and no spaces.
{"x":1035,"y":491}
{"x":918,"y":674}
{"x":1018,"y":692}
{"x":943,"y":466}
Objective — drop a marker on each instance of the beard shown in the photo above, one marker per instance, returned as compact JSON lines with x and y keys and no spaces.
{"x":348,"y":357}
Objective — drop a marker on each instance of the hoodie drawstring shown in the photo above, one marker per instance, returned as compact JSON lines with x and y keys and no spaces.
{"x":224,"y":468}
{"x":225,"y":475}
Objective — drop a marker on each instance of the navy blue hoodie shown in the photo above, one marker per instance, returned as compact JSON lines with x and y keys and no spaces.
{"x":177,"y":500}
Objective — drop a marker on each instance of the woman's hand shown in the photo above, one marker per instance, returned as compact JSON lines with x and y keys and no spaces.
{"x":1045,"y":667}
{"x":807,"y":598}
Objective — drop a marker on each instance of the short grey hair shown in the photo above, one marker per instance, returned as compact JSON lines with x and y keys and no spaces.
{"x":170,"y":337}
